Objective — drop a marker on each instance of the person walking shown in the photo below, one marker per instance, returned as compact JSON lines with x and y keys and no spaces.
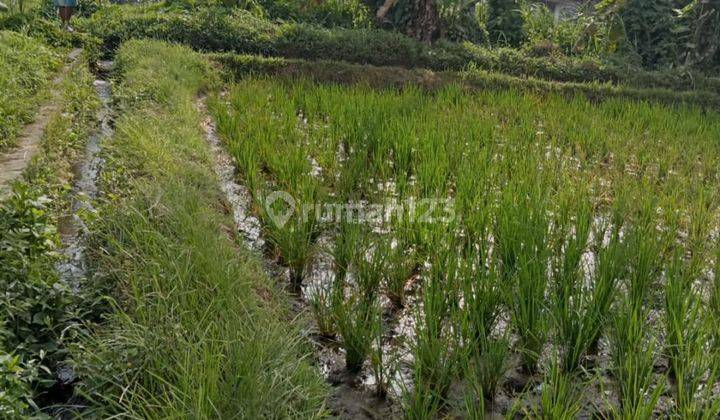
{"x":66,"y":8}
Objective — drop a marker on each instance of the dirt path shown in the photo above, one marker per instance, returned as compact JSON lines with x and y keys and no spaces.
{"x":14,"y":162}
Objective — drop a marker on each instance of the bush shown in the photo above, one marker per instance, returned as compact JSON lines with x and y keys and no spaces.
{"x":15,"y":394}
{"x":34,"y":301}
{"x":241,"y":31}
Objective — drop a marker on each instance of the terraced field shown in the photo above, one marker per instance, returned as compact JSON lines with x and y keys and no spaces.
{"x":363,"y":221}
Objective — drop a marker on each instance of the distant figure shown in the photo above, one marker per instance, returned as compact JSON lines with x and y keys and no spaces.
{"x":65,"y":10}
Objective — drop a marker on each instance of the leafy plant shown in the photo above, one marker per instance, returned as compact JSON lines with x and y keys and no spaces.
{"x":505,"y":22}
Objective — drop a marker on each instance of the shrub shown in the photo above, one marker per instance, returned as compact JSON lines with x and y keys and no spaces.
{"x":15,"y":394}
{"x":213,"y":29}
{"x":505,"y":22}
{"x":34,"y":302}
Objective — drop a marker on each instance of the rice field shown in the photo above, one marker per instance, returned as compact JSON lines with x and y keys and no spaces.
{"x":495,"y":252}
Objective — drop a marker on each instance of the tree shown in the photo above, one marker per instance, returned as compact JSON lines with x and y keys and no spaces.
{"x":649,"y":29}
{"x":425,"y":24}
{"x":420,"y":19}
{"x":505,"y":22}
{"x":701,"y":33}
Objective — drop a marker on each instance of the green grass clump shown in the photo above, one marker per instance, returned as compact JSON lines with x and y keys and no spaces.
{"x":26,"y":68}
{"x":198,"y":330}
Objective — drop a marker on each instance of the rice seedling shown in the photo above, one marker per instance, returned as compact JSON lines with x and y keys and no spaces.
{"x":555,"y":225}
{"x":371,"y":266}
{"x":485,"y":359}
{"x":356,"y":318}
{"x":560,"y":396}
{"x":486,"y":364}
{"x":573,"y":233}
{"x":347,"y":245}
{"x":580,"y":308}
{"x":521,"y":230}
{"x":688,"y":337}
{"x":435,"y":342}
{"x":400,"y":266}
{"x":633,"y":348}
{"x":291,"y":232}
{"x":714,"y":300}
{"x":474,"y":401}
{"x":610,"y":267}
{"x":321,"y":299}
{"x":381,"y":362}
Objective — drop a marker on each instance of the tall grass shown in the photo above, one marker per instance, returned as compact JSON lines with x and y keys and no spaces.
{"x":198,"y":330}
{"x":26,"y":68}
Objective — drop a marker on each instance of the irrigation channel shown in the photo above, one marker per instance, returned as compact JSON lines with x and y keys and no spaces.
{"x":73,"y":231}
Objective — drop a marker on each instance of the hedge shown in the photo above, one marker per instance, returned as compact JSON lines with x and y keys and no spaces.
{"x":219,"y":29}
{"x":238,"y":66}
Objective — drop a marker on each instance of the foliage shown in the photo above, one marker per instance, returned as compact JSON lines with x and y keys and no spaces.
{"x":584,"y":34}
{"x":648,"y":27}
{"x":700,"y":33}
{"x":460,"y":21}
{"x":41,"y":314}
{"x":505,"y":22}
{"x":329,"y":13}
{"x":240,"y":31}
{"x":15,"y":393}
{"x":34,"y":302}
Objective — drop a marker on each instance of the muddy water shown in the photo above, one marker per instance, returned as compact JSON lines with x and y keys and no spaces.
{"x":72,"y":228}
{"x":238,"y":196}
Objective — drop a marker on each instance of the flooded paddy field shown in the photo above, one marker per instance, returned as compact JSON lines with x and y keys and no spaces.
{"x":498,"y":254}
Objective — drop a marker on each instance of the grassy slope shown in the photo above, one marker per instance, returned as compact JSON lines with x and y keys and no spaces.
{"x":238,"y":66}
{"x":35,"y":308}
{"x":26,"y":66}
{"x":192,"y":337}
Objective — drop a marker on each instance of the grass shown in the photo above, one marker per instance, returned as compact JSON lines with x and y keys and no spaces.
{"x":177,"y":281}
{"x":564,"y":216}
{"x":26,"y":68}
